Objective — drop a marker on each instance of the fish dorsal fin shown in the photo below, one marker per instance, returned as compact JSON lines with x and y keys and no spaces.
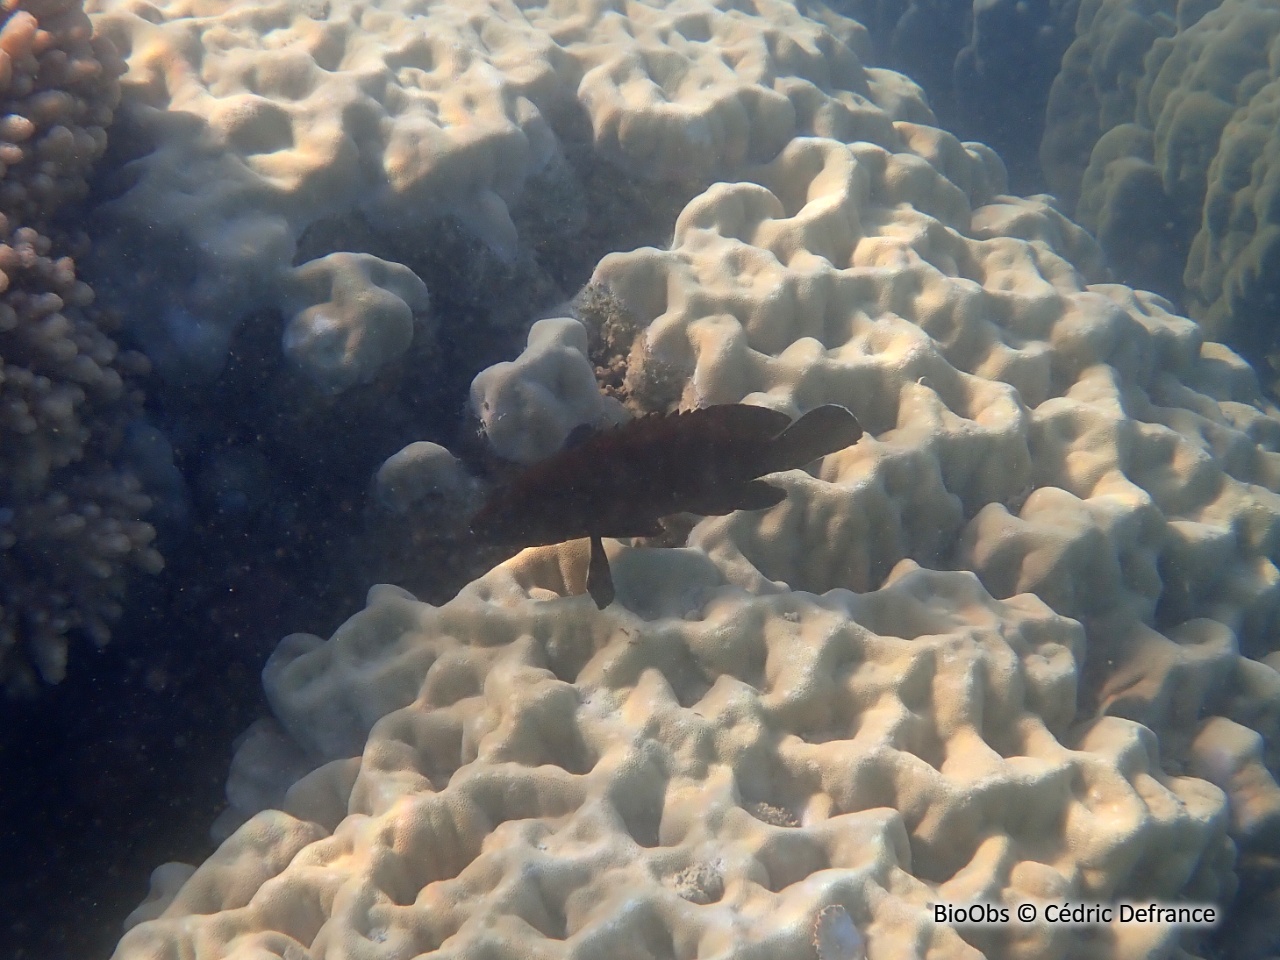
{"x":821,"y":431}
{"x":579,"y":435}
{"x":729,"y":422}
{"x":738,"y":422}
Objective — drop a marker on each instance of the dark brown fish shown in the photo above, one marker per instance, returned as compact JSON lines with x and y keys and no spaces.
{"x":620,"y":482}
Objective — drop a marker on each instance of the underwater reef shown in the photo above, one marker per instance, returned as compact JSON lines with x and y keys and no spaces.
{"x":1014,"y":645}
{"x":71,"y":506}
{"x":987,"y":67}
{"x":1161,"y":135}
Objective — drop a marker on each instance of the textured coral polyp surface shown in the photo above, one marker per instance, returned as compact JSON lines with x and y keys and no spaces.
{"x":265,"y":119}
{"x":1163,"y":125}
{"x":702,"y":767}
{"x":1012,"y":646}
{"x":569,"y":783}
{"x":996,"y":381}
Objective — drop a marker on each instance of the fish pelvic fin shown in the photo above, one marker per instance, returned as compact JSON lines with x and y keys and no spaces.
{"x":821,"y":431}
{"x":599,"y":576}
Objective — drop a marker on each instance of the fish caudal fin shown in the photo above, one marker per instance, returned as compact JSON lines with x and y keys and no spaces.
{"x":599,"y":576}
{"x":821,"y":431}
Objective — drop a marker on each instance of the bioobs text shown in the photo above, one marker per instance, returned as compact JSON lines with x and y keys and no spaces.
{"x":969,"y":913}
{"x":1084,"y":914}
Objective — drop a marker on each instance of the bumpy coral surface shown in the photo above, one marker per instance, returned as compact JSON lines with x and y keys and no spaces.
{"x":1233,"y":270}
{"x":262,"y":126}
{"x":547,"y":780}
{"x":790,"y":713}
{"x":1097,"y":87}
{"x":351,"y":314}
{"x":1163,"y":123}
{"x":980,"y":64}
{"x":527,"y":407}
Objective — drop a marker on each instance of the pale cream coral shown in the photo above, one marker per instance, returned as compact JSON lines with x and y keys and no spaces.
{"x":686,"y":91}
{"x":548,"y":778}
{"x":271,"y":122}
{"x":351,"y":314}
{"x":1076,"y":441}
{"x":424,"y":475}
{"x":789,"y":713}
{"x":528,"y":407}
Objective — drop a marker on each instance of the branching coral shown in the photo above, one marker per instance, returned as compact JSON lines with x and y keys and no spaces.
{"x":70,"y":522}
{"x":70,"y":517}
{"x":58,"y":89}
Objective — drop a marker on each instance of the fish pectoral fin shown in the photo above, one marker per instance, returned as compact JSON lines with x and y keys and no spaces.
{"x":599,"y":577}
{"x":757,"y":495}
